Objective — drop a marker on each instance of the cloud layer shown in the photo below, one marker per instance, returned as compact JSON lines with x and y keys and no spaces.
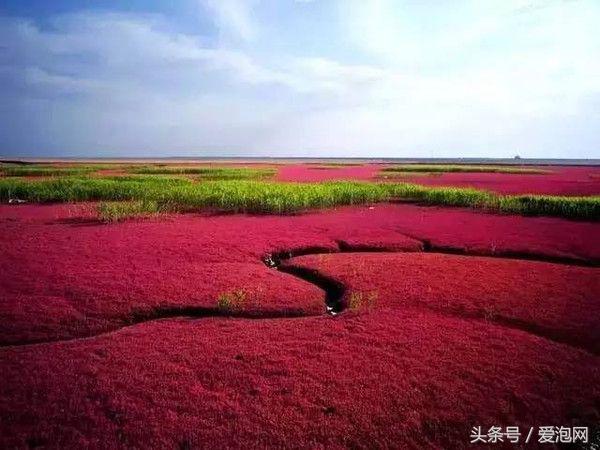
{"x":320,"y":78}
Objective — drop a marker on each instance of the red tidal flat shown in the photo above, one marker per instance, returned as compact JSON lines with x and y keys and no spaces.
{"x":570,"y":181}
{"x":430,"y":345}
{"x":559,"y":181}
{"x":551,"y":300}
{"x":317,"y":172}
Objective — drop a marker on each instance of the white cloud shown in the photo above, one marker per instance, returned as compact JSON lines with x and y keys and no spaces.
{"x":469,"y":76}
{"x":234,"y":17}
{"x":59,"y":84}
{"x":516,"y":56}
{"x":127,"y":48}
{"x":115,"y":77}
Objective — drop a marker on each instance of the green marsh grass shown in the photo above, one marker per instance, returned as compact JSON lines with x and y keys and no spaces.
{"x":233,"y":301}
{"x":48,"y":170}
{"x":169,"y":194}
{"x":207,"y":173}
{"x":42,"y":171}
{"x":548,"y":205}
{"x":117,"y":211}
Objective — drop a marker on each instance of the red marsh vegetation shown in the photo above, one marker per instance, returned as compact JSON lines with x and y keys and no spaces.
{"x":202,"y":330}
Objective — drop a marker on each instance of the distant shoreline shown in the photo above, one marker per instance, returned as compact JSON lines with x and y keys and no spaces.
{"x":291,"y":160}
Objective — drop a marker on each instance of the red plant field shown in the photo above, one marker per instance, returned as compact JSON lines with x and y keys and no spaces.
{"x":210,"y":331}
{"x":559,"y":181}
{"x":324,"y":172}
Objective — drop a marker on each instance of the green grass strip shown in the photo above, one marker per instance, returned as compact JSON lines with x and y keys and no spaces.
{"x":117,"y":211}
{"x":209,"y":173}
{"x":164,"y":194}
{"x":34,"y":170}
{"x":41,"y":171}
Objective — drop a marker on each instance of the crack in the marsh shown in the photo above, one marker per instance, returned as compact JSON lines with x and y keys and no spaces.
{"x":334,"y":290}
{"x":427,"y":246}
{"x":193,"y":312}
{"x":335,"y":293}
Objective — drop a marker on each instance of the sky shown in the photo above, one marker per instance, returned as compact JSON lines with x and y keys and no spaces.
{"x":317,"y":78}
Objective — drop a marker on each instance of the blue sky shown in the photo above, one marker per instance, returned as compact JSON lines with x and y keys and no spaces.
{"x":413,"y":78}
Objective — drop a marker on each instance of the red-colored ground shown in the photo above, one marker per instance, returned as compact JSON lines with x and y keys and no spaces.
{"x":323,"y":172}
{"x":431,"y":343}
{"x":560,"y":181}
{"x":550,"y":300}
